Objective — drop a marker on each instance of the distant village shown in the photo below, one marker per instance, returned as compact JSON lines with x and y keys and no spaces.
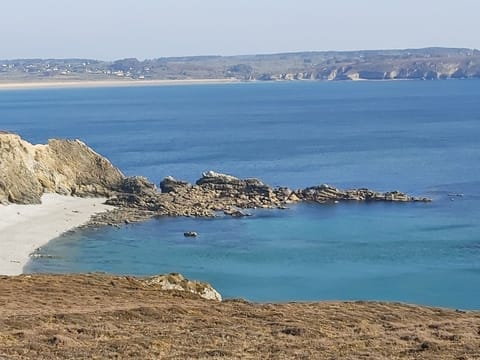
{"x":68,"y":67}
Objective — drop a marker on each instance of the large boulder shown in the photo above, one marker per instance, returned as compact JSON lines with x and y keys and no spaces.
{"x":170,"y":184}
{"x":177,"y":282}
{"x":230,"y":184}
{"x":136,"y":192}
{"x":137,"y":185}
{"x":212,"y":177}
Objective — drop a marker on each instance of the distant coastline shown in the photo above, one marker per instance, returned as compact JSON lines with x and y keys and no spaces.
{"x":432,"y":63}
{"x":58,"y":84}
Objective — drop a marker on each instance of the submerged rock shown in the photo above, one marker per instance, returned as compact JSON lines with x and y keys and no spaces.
{"x":190,"y":234}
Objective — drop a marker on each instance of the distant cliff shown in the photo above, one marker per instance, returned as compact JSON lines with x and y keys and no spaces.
{"x":62,"y":166}
{"x":424,"y":64}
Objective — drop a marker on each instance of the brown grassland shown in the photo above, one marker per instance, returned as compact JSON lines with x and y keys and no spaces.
{"x":99,"y":316}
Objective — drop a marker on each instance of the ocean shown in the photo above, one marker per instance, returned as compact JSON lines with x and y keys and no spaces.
{"x":420,"y":137}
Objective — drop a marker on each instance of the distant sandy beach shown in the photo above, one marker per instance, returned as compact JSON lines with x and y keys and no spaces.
{"x":24,"y":228}
{"x":108,"y":83}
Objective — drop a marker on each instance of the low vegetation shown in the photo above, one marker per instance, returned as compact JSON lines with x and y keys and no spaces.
{"x":99,"y":316}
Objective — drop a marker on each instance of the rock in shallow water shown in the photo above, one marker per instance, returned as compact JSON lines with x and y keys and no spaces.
{"x":190,"y":234}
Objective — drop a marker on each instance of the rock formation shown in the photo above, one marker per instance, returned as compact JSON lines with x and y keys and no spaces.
{"x":63,"y":166}
{"x":325,"y":193}
{"x":177,"y":282}
{"x":70,"y":167}
{"x":214,"y":194}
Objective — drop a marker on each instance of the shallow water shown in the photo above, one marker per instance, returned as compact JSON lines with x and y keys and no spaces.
{"x":420,"y":137}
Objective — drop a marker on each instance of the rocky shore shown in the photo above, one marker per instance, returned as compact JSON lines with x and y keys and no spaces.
{"x":216,"y":194}
{"x":69,"y":167}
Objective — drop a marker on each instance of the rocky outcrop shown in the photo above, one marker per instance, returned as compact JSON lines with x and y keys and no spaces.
{"x":170,"y":184}
{"x":325,"y":193}
{"x":70,"y":167}
{"x":215,"y":194}
{"x":66,"y":167}
{"x":178,"y":282}
{"x":136,"y":192}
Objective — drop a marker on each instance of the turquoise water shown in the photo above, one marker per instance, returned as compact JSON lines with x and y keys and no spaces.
{"x":419,"y":137}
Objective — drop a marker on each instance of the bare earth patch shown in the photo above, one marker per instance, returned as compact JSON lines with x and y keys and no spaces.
{"x":101,"y":316}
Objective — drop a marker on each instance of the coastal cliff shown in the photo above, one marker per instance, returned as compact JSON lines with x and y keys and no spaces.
{"x":67,"y":167}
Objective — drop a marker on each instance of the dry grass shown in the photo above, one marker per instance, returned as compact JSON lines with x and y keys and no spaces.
{"x":100,"y":316}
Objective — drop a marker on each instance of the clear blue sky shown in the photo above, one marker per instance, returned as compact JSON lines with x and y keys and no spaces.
{"x":110,"y":29}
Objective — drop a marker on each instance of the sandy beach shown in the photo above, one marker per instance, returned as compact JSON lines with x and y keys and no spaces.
{"x":58,"y":84}
{"x":23,"y":228}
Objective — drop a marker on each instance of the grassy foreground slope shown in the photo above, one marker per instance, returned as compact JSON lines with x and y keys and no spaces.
{"x":103,"y":316}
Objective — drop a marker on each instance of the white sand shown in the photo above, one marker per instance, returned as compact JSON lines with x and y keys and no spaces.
{"x":107,"y":83}
{"x":24,"y":228}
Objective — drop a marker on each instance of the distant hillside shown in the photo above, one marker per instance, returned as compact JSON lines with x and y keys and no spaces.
{"x":427,"y":64}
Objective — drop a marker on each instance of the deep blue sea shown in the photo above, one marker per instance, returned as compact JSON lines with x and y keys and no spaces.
{"x":421,"y":137}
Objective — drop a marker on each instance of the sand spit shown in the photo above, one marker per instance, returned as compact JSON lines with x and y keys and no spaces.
{"x":107,"y":83}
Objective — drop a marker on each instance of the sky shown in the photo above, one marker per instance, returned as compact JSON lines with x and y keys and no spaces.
{"x":145,"y":29}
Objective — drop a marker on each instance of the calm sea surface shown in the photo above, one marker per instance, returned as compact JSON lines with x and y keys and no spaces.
{"x":418,"y":137}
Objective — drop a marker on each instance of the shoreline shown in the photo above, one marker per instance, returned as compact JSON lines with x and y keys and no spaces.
{"x":108,"y":83}
{"x":24,"y":228}
{"x":74,"y":84}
